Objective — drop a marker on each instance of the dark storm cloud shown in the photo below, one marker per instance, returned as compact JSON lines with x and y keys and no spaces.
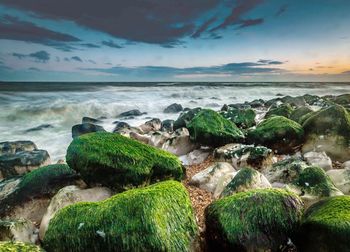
{"x":203,"y":27}
{"x":41,"y":56}
{"x":14,"y":29}
{"x":270,"y":62}
{"x":282,"y":10}
{"x":151,"y":21}
{"x":90,"y":45}
{"x":112,"y":44}
{"x":250,"y":22}
{"x":76,"y":58}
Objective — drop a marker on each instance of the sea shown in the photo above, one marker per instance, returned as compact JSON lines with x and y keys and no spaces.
{"x":26,"y":105}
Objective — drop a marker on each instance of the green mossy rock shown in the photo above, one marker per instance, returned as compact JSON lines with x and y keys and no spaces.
{"x":19,"y":247}
{"x":119,"y":162}
{"x":185,"y":118}
{"x":155,"y":218}
{"x":278,"y":133}
{"x":325,"y":226}
{"x":243,"y":118}
{"x":282,"y":110}
{"x":257,"y":220}
{"x":343,"y":99}
{"x":210,"y":128}
{"x":44,"y":181}
{"x":298,"y":114}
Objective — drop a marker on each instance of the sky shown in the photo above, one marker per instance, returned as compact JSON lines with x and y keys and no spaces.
{"x":167,"y":40}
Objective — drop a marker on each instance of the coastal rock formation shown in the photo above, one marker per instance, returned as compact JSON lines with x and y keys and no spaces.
{"x":298,"y":114}
{"x":154,"y":124}
{"x":16,"y":146}
{"x":246,"y":179}
{"x":120,"y":163}
{"x":319,"y":159}
{"x":278,"y":133}
{"x":185,"y":118}
{"x":133,"y":112}
{"x":157,"y":217}
{"x":18,"y":231}
{"x":257,"y":220}
{"x":210,"y":128}
{"x":282,"y":110}
{"x":173,"y":108}
{"x":243,"y":118}
{"x":341,"y":179}
{"x":81,"y":129}
{"x":195,"y":157}
{"x":91,"y":120}
{"x":167,"y":125}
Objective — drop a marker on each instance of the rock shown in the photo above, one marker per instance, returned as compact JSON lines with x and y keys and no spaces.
{"x":341,"y":179}
{"x":195,"y":157}
{"x":256,"y":220}
{"x":18,"y":231}
{"x":70,"y":195}
{"x":242,"y":155}
{"x":19,"y":246}
{"x":22,"y":162}
{"x":278,"y":133}
{"x":285,"y":171}
{"x":257,"y":103}
{"x":185,"y":118}
{"x":91,"y":120}
{"x":133,"y":112}
{"x":243,"y":118}
{"x":157,"y":217}
{"x":125,"y":129}
{"x":298,"y":101}
{"x":81,"y":129}
{"x":28,"y":196}
{"x":314,"y":100}
{"x":16,"y":146}
{"x":325,"y":226}
{"x":343,"y":99}
{"x":212,"y":129}
{"x":282,"y":110}
{"x":152,"y":125}
{"x":319,"y":159}
{"x":214,"y":178}
{"x":173,"y":108}
{"x":346,"y":165}
{"x":246,"y":179}
{"x":179,"y":143}
{"x":168,"y":125}
{"x":328,"y":130}
{"x":314,"y":184}
{"x":40,"y":127}
{"x":118,"y":162}
{"x":298,"y":115}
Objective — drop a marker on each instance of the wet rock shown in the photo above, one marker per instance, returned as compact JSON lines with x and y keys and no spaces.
{"x":18,"y":231}
{"x":154,"y":124}
{"x":91,"y":120}
{"x":168,"y":125}
{"x":243,"y":118}
{"x":319,"y":159}
{"x":185,"y":118}
{"x":341,"y":179}
{"x":173,"y":108}
{"x":298,"y":115}
{"x":16,"y":146}
{"x":195,"y":157}
{"x":81,"y":129}
{"x":179,"y":143}
{"x":133,"y":112}
{"x":282,"y":110}
{"x":40,"y":127}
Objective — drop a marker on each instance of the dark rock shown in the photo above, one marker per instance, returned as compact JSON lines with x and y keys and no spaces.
{"x":257,"y":103}
{"x":80,"y":129}
{"x":185,"y":118}
{"x":173,"y":108}
{"x":16,"y":146}
{"x":133,"y":112}
{"x":243,"y":118}
{"x":154,"y":124}
{"x":120,"y":126}
{"x":40,"y":127}
{"x":168,"y":125}
{"x":282,"y":110}
{"x":86,"y":119}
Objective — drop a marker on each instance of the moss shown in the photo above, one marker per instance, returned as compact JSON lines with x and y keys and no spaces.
{"x":286,"y":171}
{"x":298,"y":114}
{"x":210,"y":128}
{"x":243,"y":179}
{"x":44,"y":181}
{"x":19,"y":247}
{"x":343,"y":99}
{"x":278,"y":133}
{"x":185,"y":118}
{"x":120,"y":162}
{"x":283,"y":110}
{"x":256,"y":220}
{"x":243,"y":118}
{"x":155,"y":218}
{"x":325,"y":226}
{"x":313,"y":180}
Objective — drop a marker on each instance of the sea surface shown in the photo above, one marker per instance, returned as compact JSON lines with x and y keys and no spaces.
{"x":27,"y":105}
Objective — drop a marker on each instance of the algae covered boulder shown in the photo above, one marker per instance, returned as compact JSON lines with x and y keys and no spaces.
{"x":210,"y":128}
{"x":243,"y":118}
{"x":10,"y":246}
{"x":155,"y":218}
{"x":282,"y":110}
{"x":298,"y":115}
{"x":119,"y":162}
{"x":325,"y":226}
{"x":329,"y":130}
{"x":278,"y":133}
{"x":185,"y":118}
{"x":257,"y":220}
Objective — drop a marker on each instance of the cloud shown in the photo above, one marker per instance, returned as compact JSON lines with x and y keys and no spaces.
{"x":92,"y":61}
{"x":112,"y":44}
{"x":270,"y":62}
{"x":34,"y":69}
{"x":40,"y":56}
{"x":14,"y":29}
{"x":90,"y":45}
{"x":76,"y":58}
{"x":203,"y":27}
{"x":250,"y":22}
{"x":346,"y":72}
{"x":281,"y":10}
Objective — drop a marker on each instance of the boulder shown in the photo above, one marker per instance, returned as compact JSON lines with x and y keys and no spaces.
{"x":173,"y":108}
{"x":346,"y":164}
{"x":167,"y":125}
{"x":329,"y":130}
{"x":16,"y":146}
{"x":319,"y":159}
{"x":297,"y":101}
{"x":185,"y":118}
{"x":40,"y":127}
{"x":242,"y":155}
{"x":91,"y":120}
{"x":278,"y":133}
{"x":243,"y":118}
{"x":298,"y":114}
{"x":133,"y":112}
{"x":343,"y":100}
{"x":70,"y":195}
{"x":18,"y":247}
{"x":81,"y":129}
{"x":214,"y":178}
{"x":212,"y":129}
{"x":195,"y":157}
{"x":157,"y":217}
{"x":325,"y":226}
{"x":119,"y":162}
{"x":256,"y":220}
{"x":22,"y":162}
{"x":179,"y":143}
{"x":246,"y":179}
{"x":154,"y":124}
{"x":18,"y":230}
{"x":341,"y":179}
{"x":282,"y":110}
{"x":28,"y":196}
